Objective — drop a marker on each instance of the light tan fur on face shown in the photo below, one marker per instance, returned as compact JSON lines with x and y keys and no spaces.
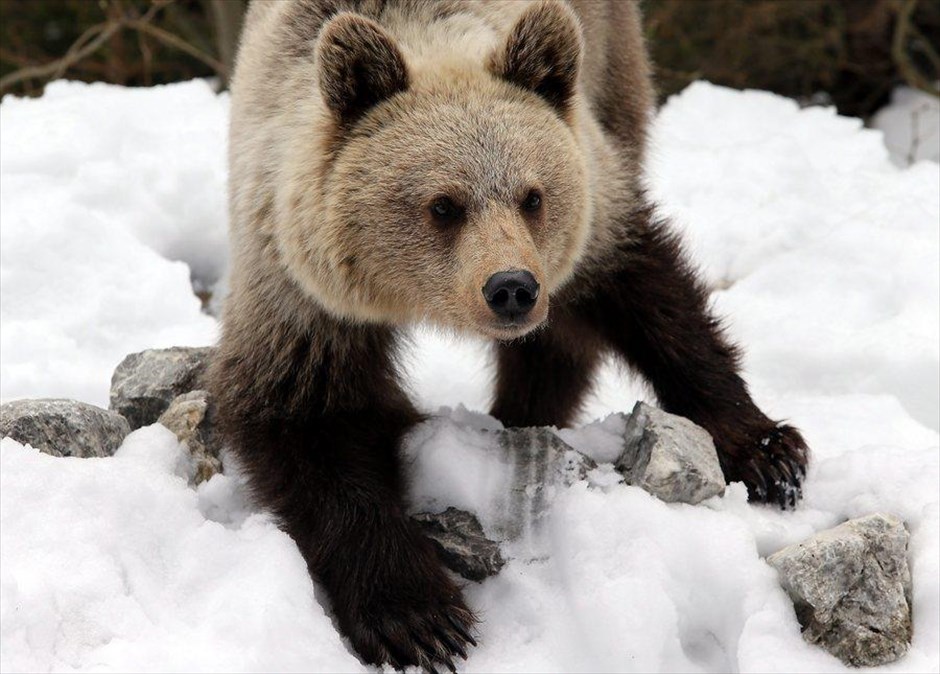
{"x":498,"y":239}
{"x":341,"y":212}
{"x":355,"y":231}
{"x":376,"y":254}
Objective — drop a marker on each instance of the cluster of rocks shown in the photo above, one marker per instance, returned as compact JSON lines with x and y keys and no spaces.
{"x":145,"y":384}
{"x":850,"y":585}
{"x":158,"y":385}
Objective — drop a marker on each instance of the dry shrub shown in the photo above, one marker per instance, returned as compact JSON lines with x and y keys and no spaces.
{"x":855,"y":51}
{"x":797,"y":48}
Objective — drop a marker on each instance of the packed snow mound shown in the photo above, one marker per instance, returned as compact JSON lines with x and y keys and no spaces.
{"x":823,"y":256}
{"x":112,"y":199}
{"x":826,"y":254}
{"x":115,"y":564}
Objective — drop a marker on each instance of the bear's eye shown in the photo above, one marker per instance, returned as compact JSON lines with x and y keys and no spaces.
{"x":446,"y":211}
{"x":532,"y":201}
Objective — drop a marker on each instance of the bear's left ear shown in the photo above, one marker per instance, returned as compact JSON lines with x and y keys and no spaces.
{"x":543,"y":53}
{"x":358,"y":65}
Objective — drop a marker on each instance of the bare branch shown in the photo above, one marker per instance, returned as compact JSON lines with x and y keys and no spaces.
{"x":909,"y":71}
{"x":96,"y":36}
{"x":47,"y":70}
{"x":70,"y":56}
{"x":178,"y":42}
{"x":930,"y":52}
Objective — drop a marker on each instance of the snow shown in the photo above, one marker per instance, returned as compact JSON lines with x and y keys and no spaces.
{"x":91,"y":273}
{"x":122,"y":568}
{"x":823,"y":255}
{"x":911,"y":125}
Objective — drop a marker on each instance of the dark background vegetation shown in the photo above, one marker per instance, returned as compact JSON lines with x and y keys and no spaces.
{"x":853,"y":51}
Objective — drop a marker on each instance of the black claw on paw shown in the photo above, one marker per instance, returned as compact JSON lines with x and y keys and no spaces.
{"x":427,"y":634}
{"x":463,"y":628}
{"x":452,"y":644}
{"x":773,"y":467}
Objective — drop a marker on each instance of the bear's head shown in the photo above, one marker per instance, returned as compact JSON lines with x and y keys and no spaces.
{"x":453,"y":191}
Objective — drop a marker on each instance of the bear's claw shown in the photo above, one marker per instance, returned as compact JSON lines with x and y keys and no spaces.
{"x":774,"y":470}
{"x":416,"y":636}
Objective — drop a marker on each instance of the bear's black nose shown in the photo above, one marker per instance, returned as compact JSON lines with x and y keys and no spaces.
{"x":511,"y":294}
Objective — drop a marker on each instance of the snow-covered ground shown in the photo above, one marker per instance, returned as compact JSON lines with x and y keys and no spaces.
{"x":111,"y":199}
{"x":825,"y":258}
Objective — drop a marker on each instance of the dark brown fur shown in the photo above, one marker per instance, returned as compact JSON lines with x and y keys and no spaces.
{"x":321,"y":451}
{"x":305,"y":379}
{"x":547,"y":67}
{"x":651,"y":310}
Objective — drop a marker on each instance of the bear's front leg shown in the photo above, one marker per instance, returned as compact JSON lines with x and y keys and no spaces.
{"x":542,"y":378}
{"x":316,"y":421}
{"x":653,"y":311}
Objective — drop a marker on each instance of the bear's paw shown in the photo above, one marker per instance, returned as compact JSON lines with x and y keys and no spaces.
{"x":774,"y":467}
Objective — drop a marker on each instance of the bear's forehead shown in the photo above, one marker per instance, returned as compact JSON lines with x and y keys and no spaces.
{"x":473,"y":166}
{"x":475,"y":144}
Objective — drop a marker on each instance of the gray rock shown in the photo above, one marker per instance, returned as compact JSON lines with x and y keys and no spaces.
{"x":670,"y":457}
{"x":189,"y":416}
{"x":145,"y":383}
{"x":459,"y":539}
{"x":851,"y":588}
{"x":541,"y":464}
{"x":542,"y":458}
{"x":63,"y":427}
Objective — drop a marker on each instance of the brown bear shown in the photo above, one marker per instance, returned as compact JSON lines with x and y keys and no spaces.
{"x":476,"y":165}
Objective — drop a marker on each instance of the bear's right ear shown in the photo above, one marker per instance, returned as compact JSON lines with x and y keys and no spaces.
{"x":358,"y":65}
{"x":543,"y":53}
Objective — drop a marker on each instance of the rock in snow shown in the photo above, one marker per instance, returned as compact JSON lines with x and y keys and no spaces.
{"x":851,"y":587}
{"x":189,"y":416}
{"x":145,"y":383}
{"x":63,"y":427}
{"x":670,"y":457}
{"x":542,"y":463}
{"x":459,"y":539}
{"x":546,"y":458}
